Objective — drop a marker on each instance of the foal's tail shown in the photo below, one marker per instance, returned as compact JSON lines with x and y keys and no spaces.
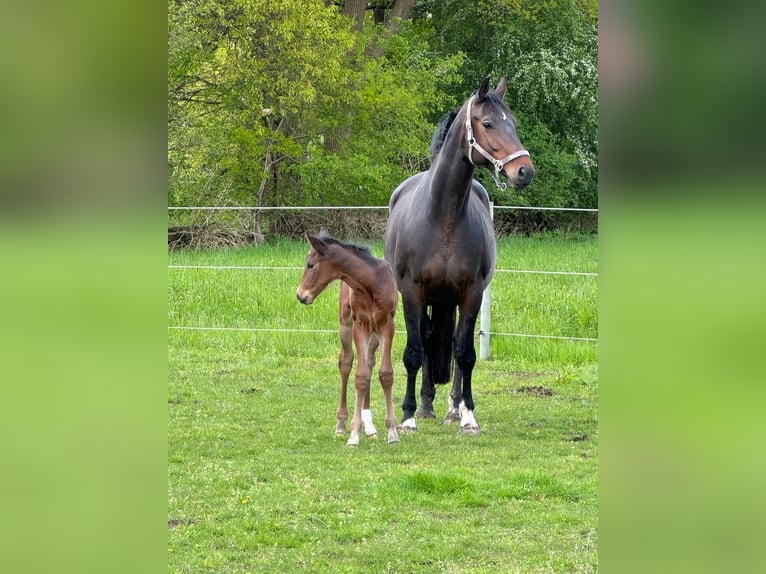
{"x":439,"y":351}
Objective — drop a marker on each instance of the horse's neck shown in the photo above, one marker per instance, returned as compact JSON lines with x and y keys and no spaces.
{"x":452,"y":173}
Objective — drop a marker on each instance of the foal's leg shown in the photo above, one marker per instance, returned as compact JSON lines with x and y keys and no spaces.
{"x":345,"y":359}
{"x":386,"y":376}
{"x":361,"y":380}
{"x":461,"y":398}
{"x":369,"y":426}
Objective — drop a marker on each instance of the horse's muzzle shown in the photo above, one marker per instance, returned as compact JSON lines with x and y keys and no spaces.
{"x":521,"y":176}
{"x":305,"y":299}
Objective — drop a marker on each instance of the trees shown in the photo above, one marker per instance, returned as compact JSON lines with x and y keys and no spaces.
{"x":549,"y":52}
{"x":306,"y":101}
{"x":248,"y":81}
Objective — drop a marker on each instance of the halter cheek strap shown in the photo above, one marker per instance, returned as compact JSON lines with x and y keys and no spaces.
{"x":498,"y":164}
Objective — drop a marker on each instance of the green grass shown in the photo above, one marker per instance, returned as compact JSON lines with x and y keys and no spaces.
{"x":259,"y":483}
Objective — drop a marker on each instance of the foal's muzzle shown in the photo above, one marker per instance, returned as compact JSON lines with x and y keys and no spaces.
{"x":305,"y":299}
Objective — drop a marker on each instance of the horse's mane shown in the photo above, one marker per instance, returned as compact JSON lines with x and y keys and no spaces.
{"x":446,"y":121}
{"x":441,"y":133}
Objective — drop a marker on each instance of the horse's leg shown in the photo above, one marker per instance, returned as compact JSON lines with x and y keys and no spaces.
{"x":461,"y":398}
{"x":369,"y":426}
{"x":413,"y":357}
{"x":427,"y":387}
{"x":386,"y":376}
{"x":345,"y":359}
{"x":361,"y":379}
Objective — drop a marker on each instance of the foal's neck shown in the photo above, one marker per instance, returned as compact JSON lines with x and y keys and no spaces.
{"x":355,"y":271}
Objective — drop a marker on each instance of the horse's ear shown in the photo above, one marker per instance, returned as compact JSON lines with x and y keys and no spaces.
{"x":483,"y":90}
{"x":500,"y":89}
{"x":316,"y":243}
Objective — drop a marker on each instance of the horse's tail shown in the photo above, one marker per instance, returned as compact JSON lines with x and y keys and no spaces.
{"x":440,"y":345}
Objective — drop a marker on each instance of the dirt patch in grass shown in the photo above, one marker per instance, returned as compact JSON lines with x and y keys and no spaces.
{"x":579,"y":438}
{"x":528,"y":374}
{"x":174,"y":522}
{"x":537,"y":391}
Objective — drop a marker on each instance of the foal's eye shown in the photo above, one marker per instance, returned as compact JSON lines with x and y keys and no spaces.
{"x":309,"y":265}
{"x":487,"y":125}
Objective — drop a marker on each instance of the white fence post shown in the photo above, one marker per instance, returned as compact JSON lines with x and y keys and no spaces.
{"x":486,"y":304}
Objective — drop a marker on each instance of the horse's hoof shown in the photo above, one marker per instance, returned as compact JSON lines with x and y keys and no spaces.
{"x":393,"y":439}
{"x":468,"y":430}
{"x":408,"y":426}
{"x":450,"y":418}
{"x":353,"y":441}
{"x":425,"y":414}
{"x":372,"y":435}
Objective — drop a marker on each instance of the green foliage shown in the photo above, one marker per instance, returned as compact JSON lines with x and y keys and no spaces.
{"x":549,"y":53}
{"x":279,"y":102}
{"x":264,"y":72}
{"x":387,"y":132}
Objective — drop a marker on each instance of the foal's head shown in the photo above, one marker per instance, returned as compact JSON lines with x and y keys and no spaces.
{"x":318,"y":272}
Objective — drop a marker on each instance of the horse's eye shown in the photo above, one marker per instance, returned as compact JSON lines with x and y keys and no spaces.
{"x":487,"y":125}
{"x":309,"y":265}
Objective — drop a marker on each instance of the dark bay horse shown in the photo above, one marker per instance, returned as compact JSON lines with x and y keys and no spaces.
{"x":368,"y":300}
{"x":440,"y":240}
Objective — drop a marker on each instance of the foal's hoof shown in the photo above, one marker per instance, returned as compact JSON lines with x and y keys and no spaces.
{"x":393,"y":438}
{"x":353,"y":440}
{"x":425,"y":413}
{"x":468,"y":430}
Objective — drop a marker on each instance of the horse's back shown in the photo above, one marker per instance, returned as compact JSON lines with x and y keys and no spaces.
{"x":481,"y":192}
{"x":404,"y":189}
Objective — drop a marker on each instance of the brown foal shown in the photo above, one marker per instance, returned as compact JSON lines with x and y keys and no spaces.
{"x":368,"y":300}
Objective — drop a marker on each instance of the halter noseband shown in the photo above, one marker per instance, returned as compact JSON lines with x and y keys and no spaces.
{"x":499,"y":164}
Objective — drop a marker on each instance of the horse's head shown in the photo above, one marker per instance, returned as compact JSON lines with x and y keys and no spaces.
{"x":491,"y":134}
{"x":317,"y":273}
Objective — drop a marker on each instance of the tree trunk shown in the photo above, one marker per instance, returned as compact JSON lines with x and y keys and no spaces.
{"x":268,"y":170}
{"x":355,"y":9}
{"x":268,"y":166}
{"x":401,"y":9}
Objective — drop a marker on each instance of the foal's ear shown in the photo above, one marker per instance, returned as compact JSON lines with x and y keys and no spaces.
{"x":500,"y":89}
{"x":483,"y":90}
{"x":316,"y":243}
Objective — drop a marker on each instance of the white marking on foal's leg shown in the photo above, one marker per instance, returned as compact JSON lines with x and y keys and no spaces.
{"x":353,"y":440}
{"x":369,"y":428}
{"x":468,"y":424}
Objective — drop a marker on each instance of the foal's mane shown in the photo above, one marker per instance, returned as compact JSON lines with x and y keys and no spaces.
{"x":446,"y":121}
{"x":362,"y":251}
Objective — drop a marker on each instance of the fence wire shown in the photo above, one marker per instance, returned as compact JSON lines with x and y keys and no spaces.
{"x":363,"y":207}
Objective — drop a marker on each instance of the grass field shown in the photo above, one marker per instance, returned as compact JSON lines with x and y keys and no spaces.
{"x":259,"y":483}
